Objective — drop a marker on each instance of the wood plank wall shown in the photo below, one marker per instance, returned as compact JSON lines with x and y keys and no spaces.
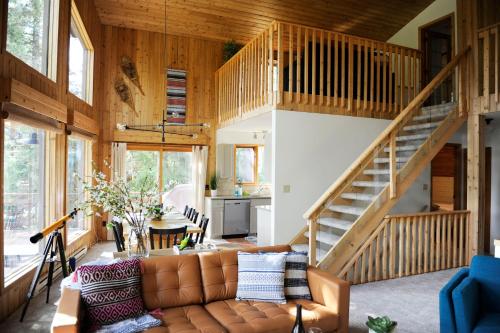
{"x":200,"y":58}
{"x":12,"y":296}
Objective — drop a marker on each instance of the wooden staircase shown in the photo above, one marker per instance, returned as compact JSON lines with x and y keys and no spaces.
{"x":344,"y":217}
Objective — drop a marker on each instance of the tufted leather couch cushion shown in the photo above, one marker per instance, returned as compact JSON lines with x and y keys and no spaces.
{"x":254,"y":317}
{"x":219,"y":271}
{"x":171,"y":281}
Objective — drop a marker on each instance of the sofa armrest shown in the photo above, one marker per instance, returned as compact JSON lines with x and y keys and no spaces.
{"x":332,"y":292}
{"x":446,"y":310}
{"x":466,"y":304}
{"x":68,"y":310}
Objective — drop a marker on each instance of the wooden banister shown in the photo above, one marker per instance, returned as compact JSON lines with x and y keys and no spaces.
{"x":348,"y":176}
{"x":409,"y":244}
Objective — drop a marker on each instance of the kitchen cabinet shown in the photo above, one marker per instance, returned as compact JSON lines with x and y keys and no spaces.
{"x":253,"y":212}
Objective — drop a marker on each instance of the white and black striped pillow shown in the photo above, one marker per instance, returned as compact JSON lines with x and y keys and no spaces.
{"x":296,"y":284}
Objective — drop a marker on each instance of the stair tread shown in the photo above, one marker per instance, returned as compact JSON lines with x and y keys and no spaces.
{"x":347,"y":209}
{"x":402,"y":148}
{"x":412,"y":137}
{"x":376,"y":171}
{"x":444,"y":106}
{"x":365,"y":183}
{"x":387,"y":159}
{"x":417,"y":127}
{"x":325,"y":237}
{"x":335,"y":223}
{"x":431,"y":116}
{"x":358,"y":196}
{"x":320,"y":254}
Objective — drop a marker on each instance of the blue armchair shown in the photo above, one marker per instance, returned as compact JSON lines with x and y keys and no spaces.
{"x":470,"y":301}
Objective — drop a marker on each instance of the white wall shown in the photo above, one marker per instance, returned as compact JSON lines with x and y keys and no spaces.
{"x":239,"y":137}
{"x":310,"y":152}
{"x":408,"y":35}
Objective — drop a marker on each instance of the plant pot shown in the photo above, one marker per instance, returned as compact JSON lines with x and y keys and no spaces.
{"x":138,"y":245}
{"x":213,"y":193}
{"x":392,"y":331}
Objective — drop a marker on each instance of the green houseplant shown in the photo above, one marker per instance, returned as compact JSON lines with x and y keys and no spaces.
{"x":230,"y":49}
{"x":381,"y":324}
{"x":126,"y":202}
{"x":214,"y":183}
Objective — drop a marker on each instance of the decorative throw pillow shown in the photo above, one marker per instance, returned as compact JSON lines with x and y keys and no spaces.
{"x":112,"y":293}
{"x":296,"y":284}
{"x":261,"y":277}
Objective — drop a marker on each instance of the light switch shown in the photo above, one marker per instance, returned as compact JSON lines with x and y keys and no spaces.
{"x":426,"y":187}
{"x":286,"y":188}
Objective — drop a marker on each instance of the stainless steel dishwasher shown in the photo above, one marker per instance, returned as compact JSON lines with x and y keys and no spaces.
{"x":236,"y":218}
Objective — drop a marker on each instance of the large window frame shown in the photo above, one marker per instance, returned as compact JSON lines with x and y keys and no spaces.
{"x":87,"y":172}
{"x":161,"y":150}
{"x":77,"y":28}
{"x":49,"y":44}
{"x":256,"y":180}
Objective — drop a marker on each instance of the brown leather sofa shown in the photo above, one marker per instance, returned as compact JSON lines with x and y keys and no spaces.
{"x":197,"y":294}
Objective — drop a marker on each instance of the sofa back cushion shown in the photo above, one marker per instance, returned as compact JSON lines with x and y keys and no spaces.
{"x":219,"y":271}
{"x":171,"y":281}
{"x":486,"y":270}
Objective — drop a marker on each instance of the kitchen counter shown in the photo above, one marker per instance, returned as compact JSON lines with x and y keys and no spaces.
{"x":230,"y":197}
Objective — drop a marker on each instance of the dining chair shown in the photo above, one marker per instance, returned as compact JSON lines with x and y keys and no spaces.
{"x":186,"y":210}
{"x":190,"y":211}
{"x":118,"y":233}
{"x":194,"y":219}
{"x":204,"y":225}
{"x":169,"y":233}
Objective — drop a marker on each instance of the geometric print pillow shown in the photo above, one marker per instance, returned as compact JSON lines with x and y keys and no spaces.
{"x":296,"y":285}
{"x":112,"y":293}
{"x":261,"y":277}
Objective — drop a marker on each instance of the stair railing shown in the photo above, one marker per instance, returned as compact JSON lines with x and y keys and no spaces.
{"x":387,"y":137}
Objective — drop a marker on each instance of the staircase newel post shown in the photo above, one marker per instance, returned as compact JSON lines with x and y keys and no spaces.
{"x":392,"y":165}
{"x":313,"y":227}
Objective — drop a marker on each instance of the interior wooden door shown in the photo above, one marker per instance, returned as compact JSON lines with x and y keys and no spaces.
{"x":446,"y":181}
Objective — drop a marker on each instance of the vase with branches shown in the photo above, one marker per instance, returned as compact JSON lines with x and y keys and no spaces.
{"x":132,"y":205}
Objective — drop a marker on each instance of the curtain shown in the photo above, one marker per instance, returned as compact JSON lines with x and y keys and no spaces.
{"x":199,"y":176}
{"x":118,"y":168}
{"x":118,"y":160}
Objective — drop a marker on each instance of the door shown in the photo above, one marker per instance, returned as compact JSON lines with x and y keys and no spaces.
{"x":446,"y":182}
{"x":436,"y":44}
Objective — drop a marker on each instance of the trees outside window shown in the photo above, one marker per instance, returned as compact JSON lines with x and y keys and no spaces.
{"x":24,"y":194}
{"x":32,"y":33}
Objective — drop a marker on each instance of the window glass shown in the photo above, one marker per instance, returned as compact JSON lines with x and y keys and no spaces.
{"x":78,"y":168}
{"x":24,"y":198}
{"x":176,"y":169}
{"x":142,"y":164}
{"x":80,"y":60}
{"x":245,"y":164}
{"x":30,"y":31}
{"x":260,"y":167}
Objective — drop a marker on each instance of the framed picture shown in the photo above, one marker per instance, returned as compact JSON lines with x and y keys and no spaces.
{"x":176,"y":96}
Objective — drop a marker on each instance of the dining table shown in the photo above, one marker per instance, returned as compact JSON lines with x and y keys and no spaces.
{"x":173,"y":220}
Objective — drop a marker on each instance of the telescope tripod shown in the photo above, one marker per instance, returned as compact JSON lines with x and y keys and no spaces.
{"x":54,"y":245}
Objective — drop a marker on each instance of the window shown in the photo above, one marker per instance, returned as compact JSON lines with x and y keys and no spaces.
{"x":170,"y":164}
{"x":246,"y":163}
{"x":142,"y":164}
{"x":24,"y":199}
{"x":81,"y":58}
{"x":176,"y":169}
{"x":32,"y":33}
{"x":79,"y":167}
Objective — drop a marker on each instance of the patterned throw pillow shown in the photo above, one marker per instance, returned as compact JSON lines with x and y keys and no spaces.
{"x":112,"y":293}
{"x":261,"y":277}
{"x":296,"y":284}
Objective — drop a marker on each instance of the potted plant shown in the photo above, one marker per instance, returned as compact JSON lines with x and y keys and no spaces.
{"x":158,"y":212}
{"x":131,"y":202}
{"x":381,"y":325}
{"x":230,"y":49}
{"x":214,"y":183}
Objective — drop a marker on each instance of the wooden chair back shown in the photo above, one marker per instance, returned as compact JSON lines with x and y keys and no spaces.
{"x":203,"y":225}
{"x":169,"y":233}
{"x":118,"y":233}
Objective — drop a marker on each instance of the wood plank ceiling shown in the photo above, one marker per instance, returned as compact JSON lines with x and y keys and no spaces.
{"x":243,"y":19}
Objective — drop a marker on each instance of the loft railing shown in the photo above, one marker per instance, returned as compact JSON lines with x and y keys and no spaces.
{"x":489,"y":67}
{"x":295,"y":67}
{"x":411,"y":244}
